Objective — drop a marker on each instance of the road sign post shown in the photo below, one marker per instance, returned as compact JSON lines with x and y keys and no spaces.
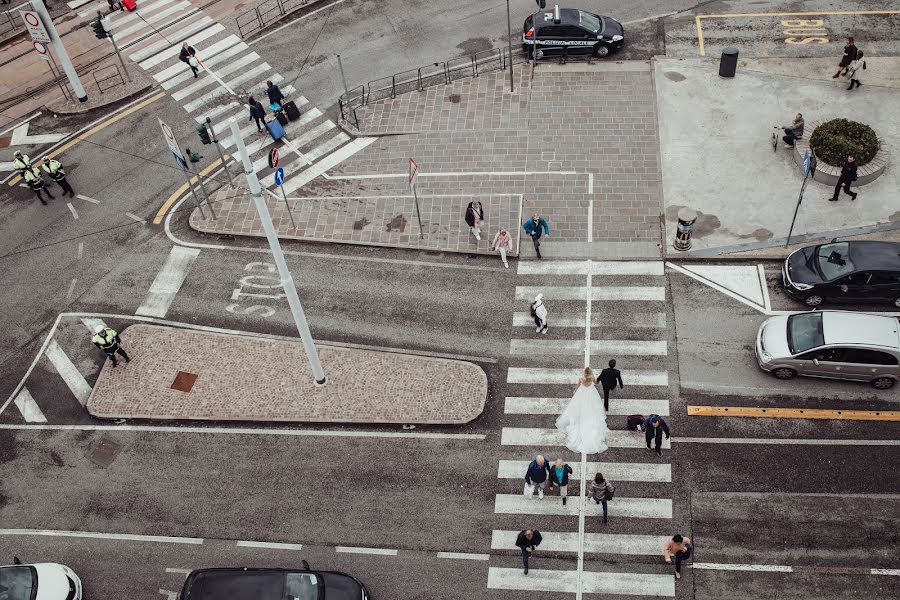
{"x":809,"y":170}
{"x":44,"y":53}
{"x":279,"y":179}
{"x":413,"y":173}
{"x":172,"y":143}
{"x":40,"y":26}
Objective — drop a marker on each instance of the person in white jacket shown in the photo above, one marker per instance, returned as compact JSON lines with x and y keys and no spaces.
{"x":539,"y":312}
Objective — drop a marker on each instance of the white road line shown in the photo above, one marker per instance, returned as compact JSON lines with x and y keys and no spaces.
{"x":71,"y":292}
{"x":738,"y":567}
{"x":93,"y":324}
{"x":624,"y":267}
{"x":594,"y":543}
{"x":168,"y":281}
{"x":80,"y":250}
{"x":169,"y":594}
{"x":213,"y":53}
{"x":151,"y":56}
{"x":335,"y":158}
{"x":545,"y":376}
{"x":764,"y":287}
{"x":590,"y":215}
{"x":317,"y":131}
{"x":608,"y":293}
{"x":592,"y":582}
{"x":536,"y":436}
{"x":134,"y":217}
{"x":327,"y":146}
{"x":543,"y":346}
{"x":716,"y":287}
{"x":464,"y":555}
{"x":181,"y":77}
{"x":30,"y":410}
{"x":272,"y":545}
{"x":149,"y":23}
{"x":221,"y":91}
{"x":649,"y":320}
{"x":127,"y":537}
{"x":72,"y":210}
{"x":178,"y":571}
{"x":613,"y":471}
{"x":520,"y":405}
{"x":637,"y":508}
{"x":454,"y":174}
{"x":250,"y":431}
{"x":86,"y":199}
{"x":359,"y":550}
{"x":788,"y":441}
{"x":68,"y":371}
{"x":207,"y":79}
{"x":891,"y":572}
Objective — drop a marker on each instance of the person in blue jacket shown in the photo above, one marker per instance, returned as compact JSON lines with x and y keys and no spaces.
{"x":535,"y":227}
{"x":536,"y":474}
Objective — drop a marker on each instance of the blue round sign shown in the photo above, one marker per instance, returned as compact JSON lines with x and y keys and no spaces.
{"x":279,"y":176}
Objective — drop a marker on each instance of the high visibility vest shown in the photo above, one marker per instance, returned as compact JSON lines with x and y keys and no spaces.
{"x":20,"y":164}
{"x":33,"y":178}
{"x":106,"y":338}
{"x":55,"y":169}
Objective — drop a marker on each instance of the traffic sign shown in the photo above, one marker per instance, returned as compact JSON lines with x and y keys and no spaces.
{"x":180,"y":160}
{"x":169,"y":136}
{"x":35,"y":26}
{"x":279,"y":176}
{"x":806,"y":162}
{"x":42,"y":50}
{"x":413,"y":172}
{"x":273,"y":158}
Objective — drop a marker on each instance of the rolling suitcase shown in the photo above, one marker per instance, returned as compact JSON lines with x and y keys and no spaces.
{"x":282,"y":118}
{"x":275,"y":130}
{"x":636,"y":422}
{"x":291,"y":110}
{"x":129,"y":4}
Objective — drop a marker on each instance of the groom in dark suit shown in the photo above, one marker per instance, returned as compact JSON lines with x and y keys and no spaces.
{"x":608,"y":379}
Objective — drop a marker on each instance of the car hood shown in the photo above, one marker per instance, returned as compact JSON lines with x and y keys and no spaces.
{"x":611,"y":27}
{"x":52,"y":582}
{"x":341,"y":587}
{"x":774,"y":337}
{"x":800,"y":267}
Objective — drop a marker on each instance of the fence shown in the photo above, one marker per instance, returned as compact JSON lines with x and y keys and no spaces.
{"x":106,"y":74}
{"x":417,"y":80}
{"x":267,"y":13}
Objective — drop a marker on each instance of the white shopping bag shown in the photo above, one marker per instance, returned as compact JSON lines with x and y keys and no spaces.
{"x":529,"y":490}
{"x":192,"y":61}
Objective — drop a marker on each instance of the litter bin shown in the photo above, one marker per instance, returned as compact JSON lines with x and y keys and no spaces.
{"x":728,"y":63}
{"x":686,"y":218}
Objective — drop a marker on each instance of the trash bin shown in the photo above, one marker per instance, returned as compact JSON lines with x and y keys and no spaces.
{"x":686,"y":218}
{"x":728,"y":63}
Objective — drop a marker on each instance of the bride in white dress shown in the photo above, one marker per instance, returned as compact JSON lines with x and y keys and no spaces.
{"x":584,"y":420}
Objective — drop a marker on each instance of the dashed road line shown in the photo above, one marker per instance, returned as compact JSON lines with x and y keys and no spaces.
{"x":134,"y":217}
{"x":464,"y":556}
{"x":362,"y":550}
{"x":270,"y":545}
{"x":87,"y":199}
{"x":72,"y":210}
{"x":71,"y":291}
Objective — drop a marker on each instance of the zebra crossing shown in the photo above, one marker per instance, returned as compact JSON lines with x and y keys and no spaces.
{"x":152,"y":36}
{"x":597,"y":311}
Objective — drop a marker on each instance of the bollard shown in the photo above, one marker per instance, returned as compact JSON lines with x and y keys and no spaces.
{"x":686,"y":218}
{"x":728,"y":62}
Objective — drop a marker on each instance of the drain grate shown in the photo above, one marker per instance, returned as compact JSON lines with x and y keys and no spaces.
{"x":105,"y":452}
{"x":184,"y":382}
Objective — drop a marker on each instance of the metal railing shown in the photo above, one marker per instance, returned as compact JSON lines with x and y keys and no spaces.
{"x":107,"y":73}
{"x":417,"y":80}
{"x":266,"y":13}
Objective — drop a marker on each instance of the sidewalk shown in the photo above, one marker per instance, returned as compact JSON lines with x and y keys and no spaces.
{"x":237,"y":378}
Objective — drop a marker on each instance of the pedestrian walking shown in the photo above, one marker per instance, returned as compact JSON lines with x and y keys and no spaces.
{"x":112,"y":5}
{"x":274,"y":94}
{"x":793,"y":131}
{"x":188,"y":55}
{"x":21,"y":162}
{"x":108,"y":340}
{"x":679,"y":548}
{"x":535,"y":228}
{"x":853,"y":71}
{"x":474,"y":216}
{"x":654,"y":427}
{"x":583,"y":421}
{"x":502,"y":243}
{"x":608,"y":379}
{"x":528,"y":541}
{"x":850,"y":52}
{"x":56,"y":172}
{"x":602,"y":492}
{"x":536,"y":476}
{"x":848,"y":176}
{"x":539,"y":314}
{"x":257,"y":112}
{"x":559,"y":477}
{"x":36,"y":183}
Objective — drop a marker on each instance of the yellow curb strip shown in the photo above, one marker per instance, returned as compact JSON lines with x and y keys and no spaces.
{"x":794,"y":413}
{"x":15,"y":180}
{"x":161,"y":213}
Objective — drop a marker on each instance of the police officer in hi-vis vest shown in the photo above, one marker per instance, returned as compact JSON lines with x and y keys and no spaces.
{"x":108,"y":340}
{"x":32,"y":177}
{"x":21,"y":162}
{"x":55,"y":169}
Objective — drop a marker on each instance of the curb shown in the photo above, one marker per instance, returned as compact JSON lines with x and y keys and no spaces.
{"x":68,"y":112}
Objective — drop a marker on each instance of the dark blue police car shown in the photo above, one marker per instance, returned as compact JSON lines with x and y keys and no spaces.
{"x":571,"y":31}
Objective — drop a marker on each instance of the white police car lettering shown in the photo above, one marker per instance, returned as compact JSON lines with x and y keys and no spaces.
{"x":565,"y":43}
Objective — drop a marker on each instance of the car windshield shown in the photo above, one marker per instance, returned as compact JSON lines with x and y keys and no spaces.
{"x":18,"y":583}
{"x":301,"y":586}
{"x":589,"y":21}
{"x":804,"y":332}
{"x":834,"y":260}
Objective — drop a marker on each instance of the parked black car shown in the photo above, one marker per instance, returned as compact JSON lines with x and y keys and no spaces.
{"x":572,"y":31}
{"x":271,"y":584}
{"x":863,"y":271}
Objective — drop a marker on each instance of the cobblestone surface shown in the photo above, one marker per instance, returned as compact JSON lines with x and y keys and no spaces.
{"x":257,"y":379}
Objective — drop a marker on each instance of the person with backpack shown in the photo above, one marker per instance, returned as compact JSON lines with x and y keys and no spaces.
{"x":473,"y":217}
{"x":602,"y":492}
{"x":654,"y":427}
{"x":853,"y":71}
{"x":539,"y":314}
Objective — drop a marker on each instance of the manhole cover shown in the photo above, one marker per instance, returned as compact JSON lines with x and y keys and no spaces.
{"x":455,"y":98}
{"x":184,"y":382}
{"x":105,"y":452}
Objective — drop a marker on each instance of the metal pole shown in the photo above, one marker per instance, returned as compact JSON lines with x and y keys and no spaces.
{"x":287,"y":281}
{"x":418,"y":214}
{"x":56,"y":78}
{"x":205,"y":193}
{"x":38,"y":7}
{"x":187,"y":176}
{"x":509,"y":35}
{"x":288,"y":205}
{"x":346,"y":91}
{"x":119,"y":54}
{"x":215,"y":140}
{"x":796,"y":210}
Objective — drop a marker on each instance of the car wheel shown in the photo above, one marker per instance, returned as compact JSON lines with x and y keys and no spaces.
{"x":601,"y":50}
{"x":883,"y":383}
{"x":813,"y":300}
{"x":784,"y":373}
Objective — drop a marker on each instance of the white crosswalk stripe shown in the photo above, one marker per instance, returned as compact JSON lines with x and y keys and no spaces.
{"x":206,"y":80}
{"x":653,"y":320}
{"x":156,"y":19}
{"x":625,"y":267}
{"x":540,"y":437}
{"x":594,"y":543}
{"x":516,"y":405}
{"x":544,"y":580}
{"x":607,"y":293}
{"x":638,"y":508}
{"x":544,"y":346}
{"x":180,"y":74}
{"x":568,"y":376}
{"x":614,"y":471}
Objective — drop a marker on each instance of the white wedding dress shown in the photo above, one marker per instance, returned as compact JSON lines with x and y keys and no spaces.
{"x":584,"y":421}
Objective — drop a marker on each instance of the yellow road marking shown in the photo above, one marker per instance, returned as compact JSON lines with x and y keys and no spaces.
{"x":700,"y":35}
{"x":794,"y":413}
{"x":92,"y":131}
{"x":161,"y":213}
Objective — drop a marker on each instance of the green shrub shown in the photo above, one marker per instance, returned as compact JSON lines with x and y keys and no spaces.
{"x":835,"y":139}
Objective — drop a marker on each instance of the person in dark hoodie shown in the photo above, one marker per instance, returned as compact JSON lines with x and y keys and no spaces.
{"x":274,"y":94}
{"x":527,"y":541}
{"x":848,"y":176}
{"x":559,"y":477}
{"x":257,"y":112}
{"x":654,"y":427}
{"x":536,"y":476}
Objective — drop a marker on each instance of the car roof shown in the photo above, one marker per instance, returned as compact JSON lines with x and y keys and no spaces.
{"x":860,"y":329}
{"x":235,"y":584}
{"x":874,"y":256}
{"x":567,"y":16}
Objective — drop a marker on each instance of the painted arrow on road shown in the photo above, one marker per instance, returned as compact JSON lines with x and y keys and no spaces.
{"x":20,"y":137}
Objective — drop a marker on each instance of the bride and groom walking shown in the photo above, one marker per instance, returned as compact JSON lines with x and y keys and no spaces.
{"x":584,"y":419}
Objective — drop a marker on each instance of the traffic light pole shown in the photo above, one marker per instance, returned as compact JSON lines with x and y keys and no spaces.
{"x":287,"y":281}
{"x":202,"y":184}
{"x":39,"y":7}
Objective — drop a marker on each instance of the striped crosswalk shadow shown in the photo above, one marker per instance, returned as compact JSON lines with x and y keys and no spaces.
{"x":636,"y":508}
{"x":518,"y":405}
{"x":614,"y":471}
{"x":594,"y":543}
{"x":543,"y":376}
{"x":536,"y":436}
{"x":592,"y":582}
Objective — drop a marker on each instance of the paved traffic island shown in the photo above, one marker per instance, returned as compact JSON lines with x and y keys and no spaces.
{"x":183,"y":374}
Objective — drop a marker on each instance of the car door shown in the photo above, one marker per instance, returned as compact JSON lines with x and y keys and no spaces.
{"x":864,"y":364}
{"x":854,"y":288}
{"x":577,"y":40}
{"x":884,"y":286}
{"x":822,"y":362}
{"x":550,"y":39}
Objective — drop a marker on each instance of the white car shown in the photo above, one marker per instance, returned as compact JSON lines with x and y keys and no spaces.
{"x":40,"y":581}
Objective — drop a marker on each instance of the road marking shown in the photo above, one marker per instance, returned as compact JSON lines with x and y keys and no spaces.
{"x":613,"y":471}
{"x":767,"y":302}
{"x":150,"y":57}
{"x":183,"y":76}
{"x":737,"y":567}
{"x":546,"y":376}
{"x":85,"y":198}
{"x":649,"y":320}
{"x":69,"y":373}
{"x":608,"y":293}
{"x":536,"y":436}
{"x":93,"y":324}
{"x":795,"y":569}
{"x":256,"y":71}
{"x":178,"y":571}
{"x":520,"y":405}
{"x":135,"y":217}
{"x":203,"y":82}
{"x":590,"y":215}
{"x":128,"y":537}
{"x":20,"y":137}
{"x":702,"y":279}
{"x":272,"y":545}
{"x":168,"y":281}
{"x":19,"y":124}
{"x":608,"y":267}
{"x":464,"y":555}
{"x":794,"y":413}
{"x":891,"y":572}
{"x":544,"y":346}
{"x":71,"y":293}
{"x":80,"y":250}
{"x":161,"y":213}
{"x":170,"y":595}
{"x":216,"y":53}
{"x":453,"y":174}
{"x":595,"y":543}
{"x":332,"y":160}
{"x":327,"y":146}
{"x":592,"y":582}
{"x":72,"y":210}
{"x":360,"y":550}
{"x":638,"y":508}
{"x":787,"y":441}
{"x":30,"y":410}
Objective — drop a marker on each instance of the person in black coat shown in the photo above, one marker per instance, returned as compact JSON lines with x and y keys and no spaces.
{"x":654,"y":427}
{"x":474,"y":216}
{"x":607,"y":380}
{"x":257,"y":112}
{"x":527,"y":541}
{"x":849,"y":56}
{"x":187,"y":53}
{"x":848,"y":176}
{"x":274,"y":94}
{"x":559,"y":476}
